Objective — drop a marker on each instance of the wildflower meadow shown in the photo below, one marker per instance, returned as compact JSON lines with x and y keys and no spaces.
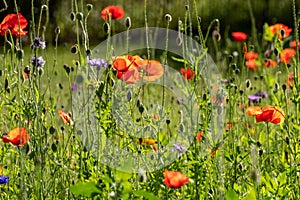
{"x":186,"y":109}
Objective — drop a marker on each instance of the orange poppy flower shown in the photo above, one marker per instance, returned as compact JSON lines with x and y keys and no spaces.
{"x":66,"y":117}
{"x":270,"y":63}
{"x":278,"y":28}
{"x":251,"y":64}
{"x":253,"y":110}
{"x":228,"y":126}
{"x":199,"y":136}
{"x":174,"y":179}
{"x":251,"y":55}
{"x":17,"y":136}
{"x":115,"y":12}
{"x":130,"y":69}
{"x":187,"y":73}
{"x":272,"y":114}
{"x":153,"y":71}
{"x":286,"y":55}
{"x":293,"y":44}
{"x":239,"y":36}
{"x":15,"y":23}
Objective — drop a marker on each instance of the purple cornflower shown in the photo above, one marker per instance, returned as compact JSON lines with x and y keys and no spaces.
{"x":261,"y":94}
{"x":97,"y":62}
{"x":178,"y":147}
{"x":38,"y":43}
{"x":4,"y":179}
{"x":253,"y":98}
{"x":74,"y":86}
{"x":37,"y":61}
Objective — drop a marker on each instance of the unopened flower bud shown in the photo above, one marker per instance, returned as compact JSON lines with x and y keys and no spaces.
{"x":168,"y":17}
{"x":79,"y":16}
{"x":128,"y":22}
{"x":89,"y":7}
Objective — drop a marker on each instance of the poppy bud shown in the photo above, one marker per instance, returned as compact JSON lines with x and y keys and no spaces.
{"x":287,"y":139}
{"x":79,"y":16}
{"x":8,"y":44}
{"x":141,"y":109}
{"x":67,"y":69}
{"x":128,"y":22}
{"x":282,"y":33}
{"x":44,"y":7}
{"x":88,"y":52}
{"x":230,"y":58}
{"x":72,"y":16}
{"x":57,"y":30}
{"x":20,"y":54}
{"x":74,"y":49}
{"x":199,"y":19}
{"x":248,"y":83}
{"x":237,"y":71}
{"x":89,"y":7}
{"x":168,"y":121}
{"x":276,"y":52}
{"x":41,"y":71}
{"x":106,"y":27}
{"x":168,"y":17}
{"x":283,"y":87}
{"x":187,"y":7}
{"x":27,"y":69}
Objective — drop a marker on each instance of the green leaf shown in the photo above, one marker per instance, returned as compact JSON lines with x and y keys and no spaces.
{"x":88,"y":189}
{"x":147,"y":195}
{"x":251,"y":195}
{"x":231,"y":195}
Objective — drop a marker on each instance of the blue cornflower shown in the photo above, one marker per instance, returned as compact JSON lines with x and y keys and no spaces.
{"x":261,"y":94}
{"x":38,"y":62}
{"x":97,"y":62}
{"x":4,"y":179}
{"x":38,"y":43}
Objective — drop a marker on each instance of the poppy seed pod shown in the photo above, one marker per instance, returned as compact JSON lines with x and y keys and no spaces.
{"x":128,"y":22}
{"x":79,"y":16}
{"x":168,"y":17}
{"x":89,"y":7}
{"x":106,"y":27}
{"x":199,"y":19}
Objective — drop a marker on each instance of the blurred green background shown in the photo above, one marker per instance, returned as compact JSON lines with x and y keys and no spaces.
{"x":233,"y":14}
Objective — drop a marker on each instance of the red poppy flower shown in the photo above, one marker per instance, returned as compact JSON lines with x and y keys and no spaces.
{"x":290,"y":80}
{"x":15,"y":23}
{"x":228,"y":126}
{"x":271,"y":114}
{"x":17,"y":137}
{"x":174,"y":179}
{"x":115,"y":12}
{"x":251,"y":55}
{"x":251,"y":64}
{"x":199,"y":136}
{"x":66,"y":117}
{"x":187,"y":73}
{"x":270,"y":63}
{"x":282,"y":30}
{"x":268,"y":113}
{"x":286,"y":55}
{"x":239,"y":36}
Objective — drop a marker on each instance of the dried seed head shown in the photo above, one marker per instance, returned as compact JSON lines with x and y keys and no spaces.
{"x":168,"y":17}
{"x":128,"y":22}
